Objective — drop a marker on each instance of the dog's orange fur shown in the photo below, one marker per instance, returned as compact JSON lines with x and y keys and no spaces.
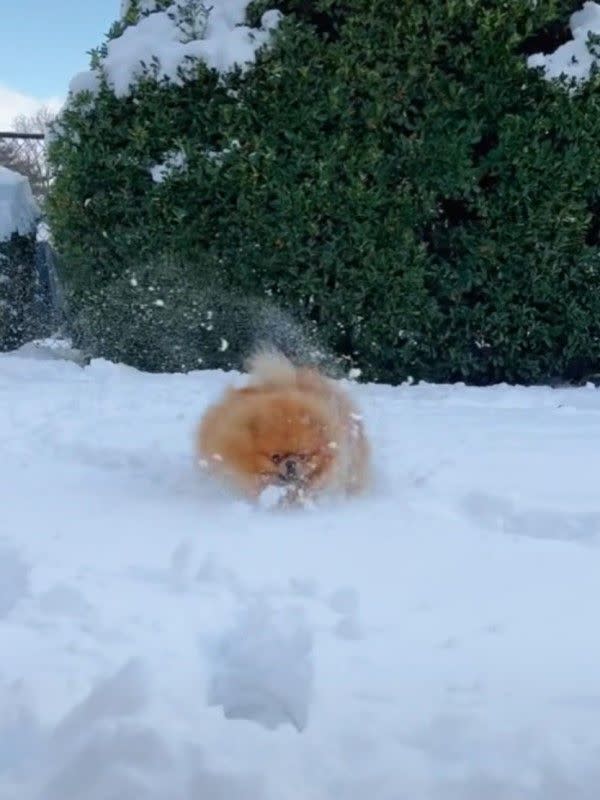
{"x":291,"y":426}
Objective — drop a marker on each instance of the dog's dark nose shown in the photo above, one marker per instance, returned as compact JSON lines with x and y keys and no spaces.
{"x":290,"y":469}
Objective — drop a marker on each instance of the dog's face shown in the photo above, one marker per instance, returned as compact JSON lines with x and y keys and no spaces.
{"x":286,"y":439}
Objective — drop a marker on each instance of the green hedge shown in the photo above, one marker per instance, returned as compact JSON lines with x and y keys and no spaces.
{"x":391,"y":173}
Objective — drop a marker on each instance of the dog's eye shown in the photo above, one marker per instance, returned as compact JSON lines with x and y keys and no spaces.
{"x":277,"y":458}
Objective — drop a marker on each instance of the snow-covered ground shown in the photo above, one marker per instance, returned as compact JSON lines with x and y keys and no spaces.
{"x":162,"y":640}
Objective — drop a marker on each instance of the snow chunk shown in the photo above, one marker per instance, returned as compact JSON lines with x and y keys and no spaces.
{"x":272,"y":496}
{"x":84,"y":82}
{"x":19,"y":212}
{"x":167,"y":43}
{"x":50,"y":349}
{"x":174,"y":160}
{"x":219,"y":156}
{"x":265,"y":671}
{"x":574,"y":59}
{"x":43,"y":233}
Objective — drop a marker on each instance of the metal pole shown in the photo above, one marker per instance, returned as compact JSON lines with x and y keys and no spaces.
{"x":13,"y":135}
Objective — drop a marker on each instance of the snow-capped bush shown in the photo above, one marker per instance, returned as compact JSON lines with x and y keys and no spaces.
{"x":394,"y":173}
{"x":578,"y":58}
{"x":169,"y":43}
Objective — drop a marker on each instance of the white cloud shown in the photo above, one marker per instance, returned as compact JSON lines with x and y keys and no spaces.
{"x":13,"y":103}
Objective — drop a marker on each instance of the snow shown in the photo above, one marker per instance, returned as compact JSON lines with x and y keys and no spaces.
{"x":13,"y":579}
{"x":574,"y":59}
{"x":144,"y":6}
{"x":161,"y":638}
{"x":82,"y":82}
{"x":175,"y":160}
{"x":264,"y":670}
{"x":167,"y":44}
{"x":19,"y":212}
{"x":49,"y":349}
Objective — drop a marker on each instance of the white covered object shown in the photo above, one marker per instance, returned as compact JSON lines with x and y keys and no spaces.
{"x":19,"y":212}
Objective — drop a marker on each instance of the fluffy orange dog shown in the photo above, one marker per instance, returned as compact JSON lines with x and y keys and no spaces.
{"x":291,"y":428}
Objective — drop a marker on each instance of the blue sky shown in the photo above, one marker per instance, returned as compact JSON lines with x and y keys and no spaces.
{"x":43,"y":43}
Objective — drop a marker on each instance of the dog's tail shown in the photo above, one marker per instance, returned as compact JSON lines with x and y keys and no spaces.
{"x":272,"y":368}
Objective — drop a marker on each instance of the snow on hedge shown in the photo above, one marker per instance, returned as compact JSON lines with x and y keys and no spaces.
{"x":173,"y":161}
{"x":19,"y":212}
{"x":172,"y":41}
{"x":574,"y":59}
